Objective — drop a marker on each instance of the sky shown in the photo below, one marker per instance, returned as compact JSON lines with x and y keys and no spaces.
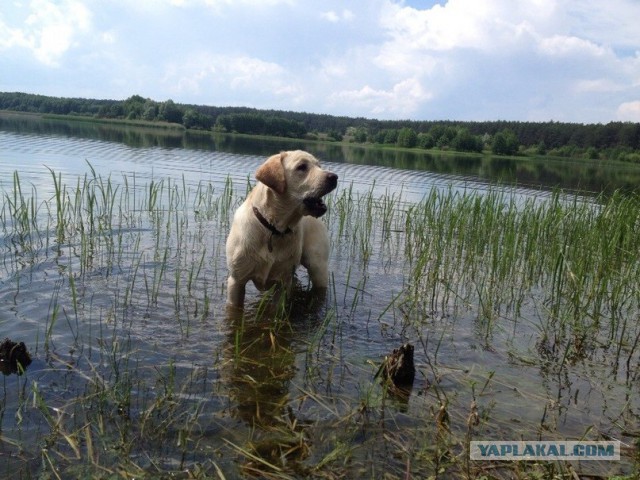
{"x":524,"y":60}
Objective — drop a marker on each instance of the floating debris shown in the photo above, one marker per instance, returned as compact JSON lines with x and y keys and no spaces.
{"x":14,"y":357}
{"x":399,"y":368}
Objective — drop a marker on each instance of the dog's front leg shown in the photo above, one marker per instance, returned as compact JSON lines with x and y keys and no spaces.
{"x":315,"y":252}
{"x":235,"y":292}
{"x":318,"y":273}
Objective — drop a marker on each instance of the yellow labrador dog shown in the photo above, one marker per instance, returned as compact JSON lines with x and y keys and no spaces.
{"x":277,"y":227}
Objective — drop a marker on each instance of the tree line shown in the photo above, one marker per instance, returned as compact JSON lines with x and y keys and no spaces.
{"x":613,"y":140}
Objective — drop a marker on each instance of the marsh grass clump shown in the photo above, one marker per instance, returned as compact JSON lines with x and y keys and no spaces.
{"x":575,"y":258}
{"x":14,"y":357}
{"x":138,"y":370}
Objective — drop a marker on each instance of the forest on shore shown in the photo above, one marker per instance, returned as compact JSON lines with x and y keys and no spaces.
{"x":611,"y":141}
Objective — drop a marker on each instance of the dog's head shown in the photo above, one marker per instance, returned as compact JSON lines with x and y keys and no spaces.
{"x":298,"y":176}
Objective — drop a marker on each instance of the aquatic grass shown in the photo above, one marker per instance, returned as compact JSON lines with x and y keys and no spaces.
{"x":118,"y":398}
{"x":21,"y":216}
{"x":474,"y":250}
{"x":60,"y":205}
{"x":93,"y":237}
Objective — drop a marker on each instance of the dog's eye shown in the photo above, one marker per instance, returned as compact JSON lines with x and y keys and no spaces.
{"x":302,"y":167}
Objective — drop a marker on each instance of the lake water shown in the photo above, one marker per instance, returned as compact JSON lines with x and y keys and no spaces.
{"x":138,"y":328}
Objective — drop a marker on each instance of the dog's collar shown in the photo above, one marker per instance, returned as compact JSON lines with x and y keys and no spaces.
{"x":269,"y":226}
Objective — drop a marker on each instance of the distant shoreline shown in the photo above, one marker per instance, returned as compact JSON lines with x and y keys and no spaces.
{"x":614,"y":141}
{"x":88,"y":119}
{"x":181,"y":129}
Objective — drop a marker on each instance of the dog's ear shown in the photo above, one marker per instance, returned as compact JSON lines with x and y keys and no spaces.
{"x":271,"y":173}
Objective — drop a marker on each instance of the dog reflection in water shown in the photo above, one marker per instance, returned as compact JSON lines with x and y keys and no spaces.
{"x":261,"y":362}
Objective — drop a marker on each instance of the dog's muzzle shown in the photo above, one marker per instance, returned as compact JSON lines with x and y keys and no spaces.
{"x":314,"y":205}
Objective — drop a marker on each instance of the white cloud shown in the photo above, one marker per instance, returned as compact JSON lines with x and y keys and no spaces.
{"x":53,"y":27}
{"x":333,"y":17}
{"x":572,"y":60}
{"x":561,"y":45}
{"x":524,"y":59}
{"x":49,"y":29}
{"x":613,"y":22}
{"x":487,"y":25}
{"x":11,"y":37}
{"x":225,"y":77}
{"x":629,"y":111}
{"x":108,"y":38}
{"x":400,"y":101}
{"x":217,"y":4}
{"x":600,"y":85}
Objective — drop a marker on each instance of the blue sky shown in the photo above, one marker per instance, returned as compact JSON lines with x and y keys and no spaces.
{"x":529,"y":60}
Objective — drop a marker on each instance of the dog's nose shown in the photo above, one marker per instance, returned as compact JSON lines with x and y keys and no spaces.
{"x":332,"y":179}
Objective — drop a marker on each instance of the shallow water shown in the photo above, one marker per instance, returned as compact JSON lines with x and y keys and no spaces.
{"x":148,"y":308}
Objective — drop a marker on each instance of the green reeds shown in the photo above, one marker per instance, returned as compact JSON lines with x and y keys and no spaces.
{"x":131,"y":260}
{"x":20,"y":214}
{"x":565,"y":263}
{"x":576,"y":257}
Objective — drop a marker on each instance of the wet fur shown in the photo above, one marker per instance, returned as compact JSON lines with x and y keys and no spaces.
{"x":283,"y":185}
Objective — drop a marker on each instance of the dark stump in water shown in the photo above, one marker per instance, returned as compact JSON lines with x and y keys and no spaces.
{"x":398,"y":368}
{"x":14,"y":357}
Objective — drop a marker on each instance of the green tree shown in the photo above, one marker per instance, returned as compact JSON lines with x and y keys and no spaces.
{"x":391,"y":136}
{"x":335,"y":135}
{"x":250,"y":123}
{"x":223,"y":123}
{"x":541,"y":148}
{"x":133,"y":107}
{"x":360,"y":135}
{"x":505,"y":142}
{"x":378,"y":137}
{"x":436,"y":132}
{"x":283,"y":127}
{"x":426,"y":141}
{"x":407,"y":138}
{"x":149,"y":111}
{"x":464,"y":141}
{"x":170,"y":112}
{"x":446,"y":139}
{"x":194,"y":119}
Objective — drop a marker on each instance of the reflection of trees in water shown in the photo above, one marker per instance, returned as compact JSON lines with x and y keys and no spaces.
{"x":133,"y":136}
{"x":537,"y":172}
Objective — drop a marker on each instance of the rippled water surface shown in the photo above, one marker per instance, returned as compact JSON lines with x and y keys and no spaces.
{"x":125,"y":319}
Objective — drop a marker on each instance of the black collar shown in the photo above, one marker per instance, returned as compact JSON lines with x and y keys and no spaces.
{"x":270,"y":227}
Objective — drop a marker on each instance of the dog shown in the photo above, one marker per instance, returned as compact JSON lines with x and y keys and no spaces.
{"x":277,"y":227}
